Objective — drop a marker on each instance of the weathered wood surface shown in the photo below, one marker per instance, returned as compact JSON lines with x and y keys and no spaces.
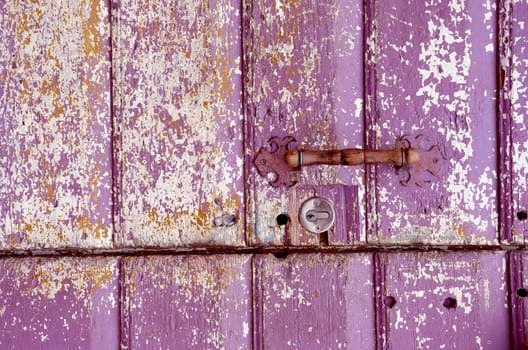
{"x":311,"y":301}
{"x":518,"y":267}
{"x":55,"y":153}
{"x":432,"y":70}
{"x":443,"y":301}
{"x":180,"y":148}
{"x":186,"y":302}
{"x":304,"y":77}
{"x":514,"y":109}
{"x":59,"y":303}
{"x":178,"y":118}
{"x":314,"y":301}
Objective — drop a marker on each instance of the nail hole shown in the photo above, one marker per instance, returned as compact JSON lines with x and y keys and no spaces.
{"x":523,"y":293}
{"x":389,"y":301}
{"x":522,"y":215}
{"x":450,"y":303}
{"x":280,"y":255}
{"x":282,"y":219}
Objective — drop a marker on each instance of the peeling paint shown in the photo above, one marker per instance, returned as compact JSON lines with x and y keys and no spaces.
{"x":433,"y":77}
{"x":55,"y":162}
{"x":515,"y":63}
{"x":421,"y":282}
{"x":179,"y":112}
{"x":59,"y":302}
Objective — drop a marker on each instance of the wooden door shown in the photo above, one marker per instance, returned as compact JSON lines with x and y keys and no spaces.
{"x":129,"y":135}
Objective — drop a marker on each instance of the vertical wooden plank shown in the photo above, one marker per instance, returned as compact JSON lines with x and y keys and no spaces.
{"x":186,"y":302}
{"x":444,"y":301}
{"x":518,"y":264}
{"x":304,"y":77}
{"x":314,"y":301}
{"x":432,"y":71}
{"x":177,"y":95}
{"x":513,"y":109}
{"x":50,"y":303}
{"x":55,"y":167}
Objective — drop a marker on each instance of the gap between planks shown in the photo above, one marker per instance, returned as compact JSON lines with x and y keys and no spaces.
{"x":223,"y":250}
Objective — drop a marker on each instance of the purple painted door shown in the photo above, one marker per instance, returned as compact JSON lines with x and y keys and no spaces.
{"x":129,"y":130}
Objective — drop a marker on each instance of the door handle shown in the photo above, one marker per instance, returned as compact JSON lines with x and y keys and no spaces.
{"x":352,"y":156}
{"x":412,"y":156}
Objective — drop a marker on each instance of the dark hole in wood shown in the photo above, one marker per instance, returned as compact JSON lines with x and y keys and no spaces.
{"x":522,"y":215}
{"x":282,"y":219}
{"x":280,"y":255}
{"x":389,"y":301}
{"x":323,"y":238}
{"x":523,"y":293}
{"x":450,"y":303}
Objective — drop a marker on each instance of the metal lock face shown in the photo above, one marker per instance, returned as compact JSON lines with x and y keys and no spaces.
{"x":317,"y":214}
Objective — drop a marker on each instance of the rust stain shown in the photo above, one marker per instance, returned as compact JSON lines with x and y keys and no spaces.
{"x":49,"y":192}
{"x":92,"y":45}
{"x":85,"y":224}
{"x":502,"y":77}
{"x":83,"y":275}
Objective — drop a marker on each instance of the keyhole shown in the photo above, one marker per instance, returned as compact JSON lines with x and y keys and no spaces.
{"x":314,"y":215}
{"x":317,"y":215}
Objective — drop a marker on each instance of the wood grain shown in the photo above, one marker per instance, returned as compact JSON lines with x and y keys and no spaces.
{"x":186,"y":302}
{"x":314,"y":301}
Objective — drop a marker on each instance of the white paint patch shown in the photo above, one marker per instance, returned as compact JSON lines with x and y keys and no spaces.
{"x":245,"y":329}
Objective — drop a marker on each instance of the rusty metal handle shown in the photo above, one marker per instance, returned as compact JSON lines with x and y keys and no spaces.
{"x":413,"y":156}
{"x":352,"y":156}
